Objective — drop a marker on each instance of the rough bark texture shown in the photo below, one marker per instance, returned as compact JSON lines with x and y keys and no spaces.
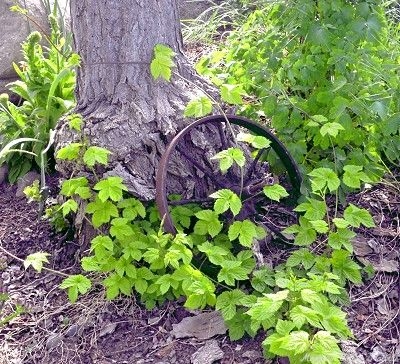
{"x":123,"y":108}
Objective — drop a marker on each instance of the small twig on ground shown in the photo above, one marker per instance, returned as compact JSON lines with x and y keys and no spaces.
{"x":22,"y":261}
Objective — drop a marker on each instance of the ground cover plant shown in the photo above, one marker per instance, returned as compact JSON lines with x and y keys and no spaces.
{"x":294,"y":302}
{"x":325,"y":74}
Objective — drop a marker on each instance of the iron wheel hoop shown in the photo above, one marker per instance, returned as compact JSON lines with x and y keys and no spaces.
{"x":276,"y":145}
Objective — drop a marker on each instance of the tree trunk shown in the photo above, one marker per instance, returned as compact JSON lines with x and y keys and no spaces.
{"x":123,"y":108}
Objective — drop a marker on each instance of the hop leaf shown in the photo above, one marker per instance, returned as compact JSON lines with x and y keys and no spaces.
{"x":256,"y":141}
{"x":353,"y":176}
{"x":331,"y":129}
{"x":228,"y":157}
{"x":36,"y":260}
{"x":232,"y":94}
{"x":227,"y":302}
{"x":102,"y":211}
{"x":68,"y":206}
{"x":208,"y":223}
{"x":324,"y":177}
{"x":275,"y":192}
{"x":198,"y":107}
{"x":110,"y":188}
{"x":226,"y":199}
{"x":78,"y":186}
{"x":162,"y":63}
{"x":95,"y":155}
{"x":245,"y":230}
{"x":356,"y":216}
{"x":76,"y":284}
{"x":69,"y":152}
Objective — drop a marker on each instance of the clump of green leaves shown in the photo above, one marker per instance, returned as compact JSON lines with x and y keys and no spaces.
{"x":211,"y":263}
{"x":326,"y":75}
{"x":46,"y":86}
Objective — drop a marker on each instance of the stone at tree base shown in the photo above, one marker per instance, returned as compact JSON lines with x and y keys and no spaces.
{"x":14,"y":30}
{"x":3,"y":173}
{"x":208,"y":354}
{"x":191,"y":9}
{"x":202,"y":326}
{"x":26,"y":181}
{"x":350,"y":355}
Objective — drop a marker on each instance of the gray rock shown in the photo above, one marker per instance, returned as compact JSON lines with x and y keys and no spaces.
{"x":208,"y":354}
{"x":53,"y":341}
{"x":252,"y":354}
{"x":25,"y":181}
{"x":14,"y":30}
{"x":377,"y":355}
{"x":191,"y":9}
{"x":202,"y":326}
{"x":3,"y":173}
{"x":350,"y":355}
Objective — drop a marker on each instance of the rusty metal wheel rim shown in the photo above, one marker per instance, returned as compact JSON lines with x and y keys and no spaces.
{"x":276,"y":145}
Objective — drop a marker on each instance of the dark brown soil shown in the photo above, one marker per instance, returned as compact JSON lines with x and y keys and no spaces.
{"x":52,"y":330}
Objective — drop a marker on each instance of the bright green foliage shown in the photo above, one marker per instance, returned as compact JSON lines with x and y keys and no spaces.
{"x":181,"y":216}
{"x":301,"y":257}
{"x":356,"y":216}
{"x":263,"y":280}
{"x":210,"y":263}
{"x":341,"y":238}
{"x":345,"y":268}
{"x":275,"y":192}
{"x":95,"y":155}
{"x":208,"y":223}
{"x":75,"y":285}
{"x":46,"y":84}
{"x":325,"y":73}
{"x":233,"y":270}
{"x":102,"y":211}
{"x":228,"y":157}
{"x":256,"y":141}
{"x":132,"y":208}
{"x":305,"y":232}
{"x":36,"y":260}
{"x":313,"y":209}
{"x":226,"y":200}
{"x":232,"y":94}
{"x":32,"y":192}
{"x":70,"y":152}
{"x":227,"y":302}
{"x":115,"y":284}
{"x":162,"y":63}
{"x":246,"y":232}
{"x":323,"y":178}
{"x":68,"y":206}
{"x":75,"y":122}
{"x":110,"y":188}
{"x":353,"y":176}
{"x":199,"y":107}
{"x":76,"y":186}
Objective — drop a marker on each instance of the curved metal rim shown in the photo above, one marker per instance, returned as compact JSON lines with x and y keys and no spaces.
{"x":276,"y":145}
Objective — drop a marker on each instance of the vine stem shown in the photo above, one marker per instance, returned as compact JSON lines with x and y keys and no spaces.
{"x":22,"y":261}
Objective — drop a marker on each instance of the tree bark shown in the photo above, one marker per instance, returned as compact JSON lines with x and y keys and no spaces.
{"x":123,"y":108}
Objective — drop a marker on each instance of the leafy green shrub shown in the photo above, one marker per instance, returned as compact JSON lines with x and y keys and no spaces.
{"x":210,"y":261}
{"x":325,"y":73}
{"x":47,"y":81}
